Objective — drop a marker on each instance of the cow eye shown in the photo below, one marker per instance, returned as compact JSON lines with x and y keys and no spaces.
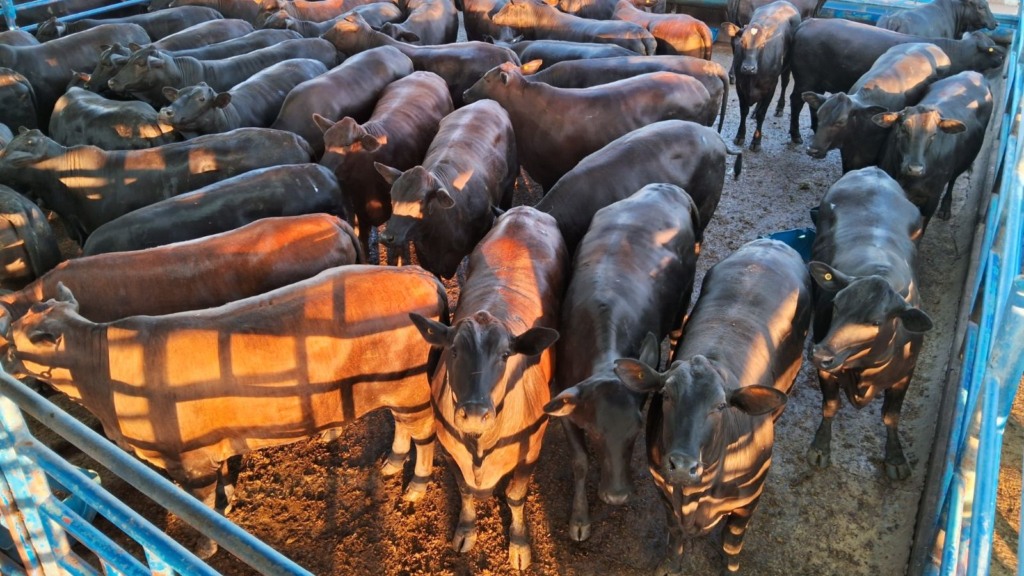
{"x":504,"y":356}
{"x":876,"y":323}
{"x":722,"y":407}
{"x":455,"y":353}
{"x":202,"y":98}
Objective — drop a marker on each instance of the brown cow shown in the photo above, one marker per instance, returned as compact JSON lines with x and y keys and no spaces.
{"x":187,"y":391}
{"x":489,"y":392}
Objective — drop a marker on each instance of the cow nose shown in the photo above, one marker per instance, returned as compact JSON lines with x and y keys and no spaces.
{"x":683,"y":469}
{"x":387,"y":238}
{"x":815,"y":152}
{"x":914,"y":170}
{"x":614,"y":496}
{"x":823,"y":358}
{"x":167,"y":113}
{"x":748,"y":68}
{"x":474,"y":418}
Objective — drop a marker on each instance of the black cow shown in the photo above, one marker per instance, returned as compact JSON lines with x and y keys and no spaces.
{"x":350,"y":89}
{"x":82,"y":117}
{"x":89,"y":186}
{"x":445,"y":205}
{"x":148,"y":71}
{"x":591,"y":72}
{"x":50,"y":65}
{"x":820,"y":44}
{"x":28,"y":246}
{"x":710,"y":426}
{"x":287,"y":190}
{"x":677,"y":152}
{"x":17,"y":100}
{"x":398,"y":134}
{"x":17,"y":38}
{"x":428,"y":22}
{"x":739,"y":12}
{"x":941,"y":18}
{"x":760,"y":57}
{"x":537,"y":20}
{"x":868,"y":328}
{"x":631,"y":284}
{"x":255,"y":102}
{"x":937,"y":140}
{"x":204,"y":34}
{"x":241,"y":9}
{"x":460,"y":64}
{"x":898,"y":78}
{"x":157,"y":24}
{"x":376,"y":15}
{"x":555,"y":51}
{"x":496,"y":367}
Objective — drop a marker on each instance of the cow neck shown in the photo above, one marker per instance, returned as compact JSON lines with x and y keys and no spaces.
{"x":190,"y":72}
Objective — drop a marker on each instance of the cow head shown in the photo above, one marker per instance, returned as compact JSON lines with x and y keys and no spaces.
{"x":189,"y":106}
{"x":399,"y":32}
{"x":38,"y":341}
{"x":51,"y":29}
{"x":112,"y":58}
{"x":477,"y":350}
{"x":140,"y":70}
{"x":915,"y":131}
{"x":975,"y":14}
{"x":345,"y":138}
{"x":987,"y":54}
{"x":498,"y":80}
{"x":867,"y":316}
{"x":610,"y":414}
{"x":698,"y":400}
{"x":519,"y":14}
{"x":27,"y":148}
{"x":415,"y":194}
{"x":839,"y":116}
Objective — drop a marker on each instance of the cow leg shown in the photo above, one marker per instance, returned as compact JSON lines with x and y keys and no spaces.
{"x":673,"y":562}
{"x":579,"y":523}
{"x":417,"y":428}
{"x":896,"y":465}
{"x":796,"y":104}
{"x":782,"y":97}
{"x":732,"y":536}
{"x":465,"y":531}
{"x":518,"y":537}
{"x":205,"y":492}
{"x":820,"y":452}
{"x":946,"y":207}
{"x":761,"y":111}
{"x":741,"y":134}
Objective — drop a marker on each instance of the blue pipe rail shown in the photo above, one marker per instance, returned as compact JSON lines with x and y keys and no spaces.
{"x":10,"y":11}
{"x":39,"y":523}
{"x":961,"y":531}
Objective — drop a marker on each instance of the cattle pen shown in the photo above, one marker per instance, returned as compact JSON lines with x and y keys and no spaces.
{"x":955,"y":528}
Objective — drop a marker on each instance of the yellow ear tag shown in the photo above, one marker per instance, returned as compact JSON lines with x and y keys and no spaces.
{"x":828,"y":276}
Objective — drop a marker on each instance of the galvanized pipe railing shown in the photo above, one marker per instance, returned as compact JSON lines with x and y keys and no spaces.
{"x":959,"y":532}
{"x":39,"y":522}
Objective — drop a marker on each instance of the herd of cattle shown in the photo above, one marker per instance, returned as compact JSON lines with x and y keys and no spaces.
{"x":211,"y":156}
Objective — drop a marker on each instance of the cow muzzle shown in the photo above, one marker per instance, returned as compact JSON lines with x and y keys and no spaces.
{"x":816,"y":153}
{"x":915,"y":170}
{"x":682,"y":469}
{"x":474,"y":418}
{"x":749,"y":69}
{"x":825,"y":359}
{"x":615,"y":493}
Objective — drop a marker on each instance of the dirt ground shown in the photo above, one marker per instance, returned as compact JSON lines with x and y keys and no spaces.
{"x":325,"y":505}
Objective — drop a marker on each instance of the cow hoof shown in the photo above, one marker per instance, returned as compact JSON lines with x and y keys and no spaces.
{"x":943,"y":214}
{"x":393,"y":465}
{"x":519,"y":554}
{"x":465,"y":538}
{"x":415,"y":491}
{"x":579,"y":530}
{"x":738,"y":140}
{"x":819,"y":458}
{"x":796,"y":139}
{"x":778,"y":112}
{"x":205,"y":548}
{"x":755,"y":146}
{"x":897,"y":470}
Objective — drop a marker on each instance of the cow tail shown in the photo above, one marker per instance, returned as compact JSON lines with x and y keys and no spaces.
{"x":725,"y":101}
{"x":738,"y":153}
{"x":705,"y":35}
{"x":361,"y":257}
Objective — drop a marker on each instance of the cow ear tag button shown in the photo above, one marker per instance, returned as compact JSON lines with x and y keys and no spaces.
{"x":828,"y":276}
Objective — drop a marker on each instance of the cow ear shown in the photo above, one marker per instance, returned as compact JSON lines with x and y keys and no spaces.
{"x":638,"y":376}
{"x":324,"y":124}
{"x":915,"y":319}
{"x":372,"y":143}
{"x":65,"y":295}
{"x":440,"y":197}
{"x":729,"y":29}
{"x":564,"y":403}
{"x":650,"y":350}
{"x":952,"y":126}
{"x":222,"y":100}
{"x":873,"y":111}
{"x":434,"y":332}
{"x":118,"y":59}
{"x":387,"y":172}
{"x":886,"y":119}
{"x":756,"y":400}
{"x":504,"y":77}
{"x":134,"y":47}
{"x":170,"y":93}
{"x":532,"y":66}
{"x":154,"y":62}
{"x":22,"y":130}
{"x":813,"y":99}
{"x":534,"y":341}
{"x":827,"y":277}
